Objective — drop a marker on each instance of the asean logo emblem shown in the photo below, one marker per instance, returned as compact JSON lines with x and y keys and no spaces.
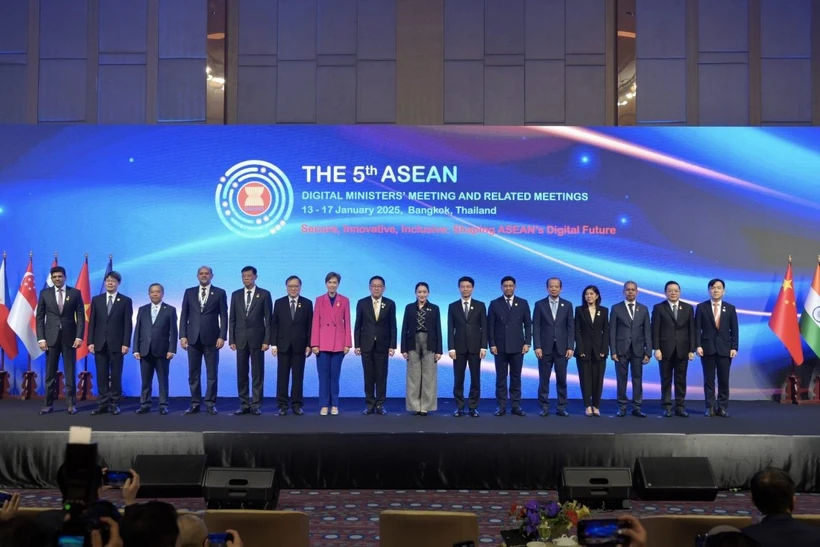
{"x":254,"y":198}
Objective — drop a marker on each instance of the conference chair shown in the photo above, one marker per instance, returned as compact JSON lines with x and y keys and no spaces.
{"x":428,"y":528}
{"x":680,"y":530}
{"x":262,"y":528}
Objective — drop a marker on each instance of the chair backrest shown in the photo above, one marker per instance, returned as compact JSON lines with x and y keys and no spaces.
{"x":814,"y":520}
{"x":680,"y":530}
{"x":427,"y":528}
{"x":262,"y":528}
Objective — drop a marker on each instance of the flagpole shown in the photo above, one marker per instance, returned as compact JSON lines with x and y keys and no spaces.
{"x":3,"y":356}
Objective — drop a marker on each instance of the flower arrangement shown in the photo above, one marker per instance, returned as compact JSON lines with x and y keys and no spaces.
{"x":547,"y":519}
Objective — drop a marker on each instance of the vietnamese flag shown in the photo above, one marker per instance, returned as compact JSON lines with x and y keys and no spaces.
{"x":783,"y":321}
{"x":84,"y":286}
{"x":8,"y":340}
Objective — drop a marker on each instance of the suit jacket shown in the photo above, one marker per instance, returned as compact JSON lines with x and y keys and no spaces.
{"x":467,"y":335}
{"x":206,"y":325}
{"x":669,"y":335}
{"x":252,"y":329}
{"x":331,"y":324}
{"x":509,"y":329}
{"x":713,"y":340}
{"x":432,"y":324}
{"x":49,"y":319}
{"x":781,"y":530}
{"x":627,"y":335}
{"x":545,"y":329}
{"x":158,"y":338}
{"x":370,"y":333}
{"x":591,"y":336}
{"x":286,"y":333}
{"x":114,"y":329}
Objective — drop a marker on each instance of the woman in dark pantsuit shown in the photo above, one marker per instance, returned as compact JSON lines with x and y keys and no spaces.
{"x":591,"y":347}
{"x":421,"y":345}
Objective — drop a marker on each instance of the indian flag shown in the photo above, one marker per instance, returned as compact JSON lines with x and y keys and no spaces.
{"x":810,"y":319}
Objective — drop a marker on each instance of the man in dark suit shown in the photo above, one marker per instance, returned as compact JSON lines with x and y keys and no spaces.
{"x":203,"y":328}
{"x":290,"y":338}
{"x":554,"y":337}
{"x":155,"y":343}
{"x":467,"y":344}
{"x":375,"y":339}
{"x":773,"y":495}
{"x":509,"y":328}
{"x":717,"y":342}
{"x":109,"y":335}
{"x":630,"y":340}
{"x":60,"y":322}
{"x":249,"y":337}
{"x":673,"y":337}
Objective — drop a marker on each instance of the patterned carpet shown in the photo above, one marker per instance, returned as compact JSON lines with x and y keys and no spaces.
{"x":351,"y":517}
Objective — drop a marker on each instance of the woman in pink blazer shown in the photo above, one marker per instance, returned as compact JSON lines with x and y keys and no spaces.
{"x":330,"y":341}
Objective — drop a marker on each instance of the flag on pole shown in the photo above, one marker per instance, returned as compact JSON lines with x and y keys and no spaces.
{"x":108,"y":269}
{"x":8,"y":342}
{"x":810,"y":319}
{"x":84,"y":286}
{"x":783,"y":321}
{"x":49,"y":283}
{"x":21,"y":317}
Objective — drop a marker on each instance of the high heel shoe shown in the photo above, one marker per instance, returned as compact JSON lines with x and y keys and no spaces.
{"x":596,"y":412}
{"x":588,"y":411}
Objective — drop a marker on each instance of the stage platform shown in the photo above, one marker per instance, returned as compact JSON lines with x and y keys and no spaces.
{"x":401,"y":450}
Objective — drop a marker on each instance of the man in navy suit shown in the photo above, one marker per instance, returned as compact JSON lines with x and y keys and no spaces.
{"x":249,"y":337}
{"x":467,"y":343}
{"x":290,"y":338}
{"x":773,"y":495}
{"x":630,"y":340}
{"x":203,"y":328}
{"x":554,"y":337}
{"x":509,"y":328}
{"x":155,"y":343}
{"x":60,"y":322}
{"x":109,"y":335}
{"x":375,"y":339}
{"x":717,"y":342}
{"x":673,"y":337}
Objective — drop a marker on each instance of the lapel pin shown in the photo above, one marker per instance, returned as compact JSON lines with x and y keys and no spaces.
{"x":599,"y":314}
{"x":257,"y":296}
{"x":724,"y":309}
{"x":471,"y":307}
{"x":515,"y":304}
{"x":118,"y":299}
{"x":298,"y":305}
{"x":67,"y":298}
{"x":562,"y":304}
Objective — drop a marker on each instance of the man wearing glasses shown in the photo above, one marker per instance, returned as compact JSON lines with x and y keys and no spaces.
{"x":290,"y":341}
{"x":374,"y":338}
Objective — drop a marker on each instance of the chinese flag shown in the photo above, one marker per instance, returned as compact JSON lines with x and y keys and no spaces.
{"x":783,"y":321}
{"x":84,"y":286}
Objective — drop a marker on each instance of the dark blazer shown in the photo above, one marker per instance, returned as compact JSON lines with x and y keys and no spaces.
{"x":545,"y":329}
{"x":467,"y":335}
{"x":370,"y":333}
{"x":432,"y":323}
{"x":157,"y":339}
{"x":781,"y":530}
{"x":715,"y":340}
{"x":286,"y":332}
{"x":628,"y":335}
{"x":207,"y":325}
{"x":509,"y":329}
{"x":669,"y":335}
{"x":254,"y":329}
{"x":591,"y":337}
{"x":113,"y":329}
{"x":49,"y":319}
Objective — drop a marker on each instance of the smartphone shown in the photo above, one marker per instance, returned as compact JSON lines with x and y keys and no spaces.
{"x":4,"y":497}
{"x":600,"y":531}
{"x":220,"y":540}
{"x":70,"y":541}
{"x":116,"y":479}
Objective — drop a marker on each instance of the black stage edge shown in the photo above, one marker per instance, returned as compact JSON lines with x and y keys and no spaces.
{"x":405,"y":451}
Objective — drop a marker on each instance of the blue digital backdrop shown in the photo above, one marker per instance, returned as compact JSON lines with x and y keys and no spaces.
{"x":590,"y":206}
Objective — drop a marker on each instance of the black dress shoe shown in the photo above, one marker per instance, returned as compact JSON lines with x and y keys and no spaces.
{"x":458,"y":413}
{"x":621,"y":413}
{"x":500,"y":411}
{"x":163,"y":411}
{"x":709,"y":413}
{"x":518,"y":412}
{"x":239,"y":412}
{"x":381,"y":411}
{"x":256,"y":412}
{"x":72,"y":410}
{"x":423,"y":413}
{"x":722,"y":413}
{"x":682,"y":413}
{"x":212,"y":411}
{"x":298,"y":411}
{"x":638,"y":414}
{"x":417,"y":413}
{"x":144,"y":410}
{"x":115,"y":410}
{"x":667,"y":413}
{"x":544,"y":412}
{"x":191,"y":410}
{"x":474,"y":412}
{"x":99,"y":410}
{"x":283,"y":412}
{"x":46,"y":410}
{"x":562,"y":413}
{"x":368,"y":410}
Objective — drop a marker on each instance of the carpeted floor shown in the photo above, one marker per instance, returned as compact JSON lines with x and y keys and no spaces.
{"x":351,"y":517}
